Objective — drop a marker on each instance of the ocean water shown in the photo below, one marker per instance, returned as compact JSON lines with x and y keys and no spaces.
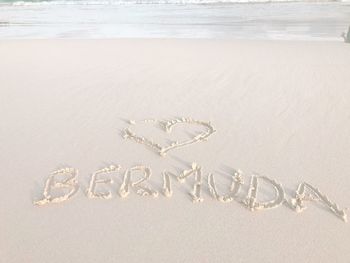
{"x":236,"y":19}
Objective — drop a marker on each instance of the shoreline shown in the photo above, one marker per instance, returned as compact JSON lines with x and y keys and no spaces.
{"x":289,"y":21}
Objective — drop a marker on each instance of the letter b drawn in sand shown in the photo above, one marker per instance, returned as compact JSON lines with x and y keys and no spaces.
{"x":70,"y":183}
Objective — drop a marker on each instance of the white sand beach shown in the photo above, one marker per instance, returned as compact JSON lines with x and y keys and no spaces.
{"x":280,"y":109}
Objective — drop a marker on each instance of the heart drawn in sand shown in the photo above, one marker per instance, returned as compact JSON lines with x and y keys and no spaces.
{"x":167,"y":126}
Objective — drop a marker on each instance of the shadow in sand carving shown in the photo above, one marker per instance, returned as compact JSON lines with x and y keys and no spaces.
{"x":346,"y":36}
{"x":4,"y":23}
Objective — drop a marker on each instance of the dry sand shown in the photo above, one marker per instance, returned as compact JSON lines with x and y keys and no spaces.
{"x":281,"y":109}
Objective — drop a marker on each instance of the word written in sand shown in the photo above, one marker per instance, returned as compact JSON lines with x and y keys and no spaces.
{"x":167,"y":126}
{"x":64,"y":182}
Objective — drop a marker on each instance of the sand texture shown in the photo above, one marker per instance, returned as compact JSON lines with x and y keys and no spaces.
{"x":279,"y":109}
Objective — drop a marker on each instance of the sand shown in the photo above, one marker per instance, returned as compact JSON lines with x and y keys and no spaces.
{"x":280,"y":110}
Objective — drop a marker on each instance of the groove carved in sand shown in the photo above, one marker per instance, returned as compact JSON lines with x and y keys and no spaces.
{"x":237,"y":182}
{"x":94,"y":180}
{"x":307,"y":192}
{"x":70,"y":183}
{"x":251,"y":201}
{"x":168,"y":125}
{"x":195,"y":170}
{"x":139,"y":186}
{"x":167,"y":191}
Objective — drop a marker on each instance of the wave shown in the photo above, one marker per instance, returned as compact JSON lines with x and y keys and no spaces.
{"x":136,"y":2}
